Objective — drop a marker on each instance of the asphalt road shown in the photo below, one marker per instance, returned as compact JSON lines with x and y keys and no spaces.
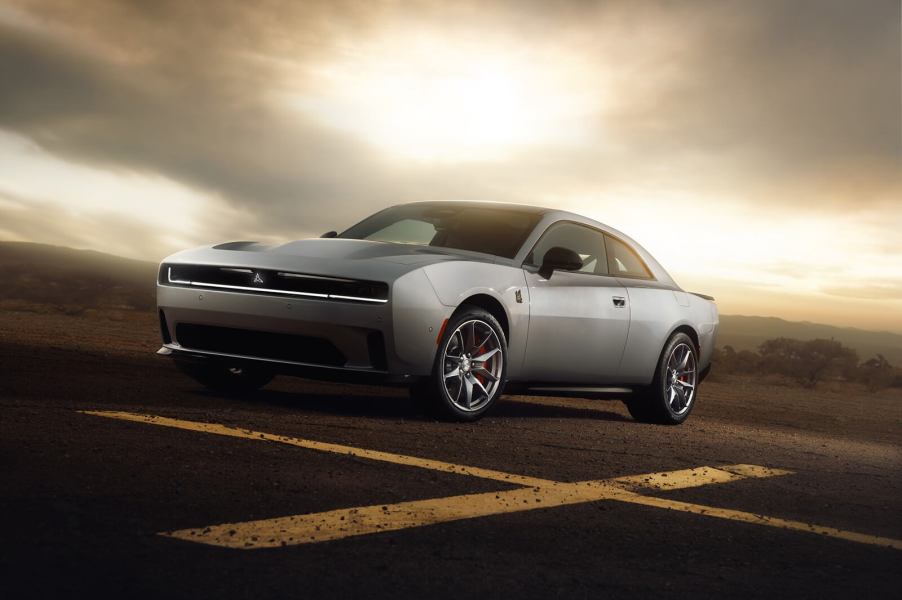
{"x":89,"y":502}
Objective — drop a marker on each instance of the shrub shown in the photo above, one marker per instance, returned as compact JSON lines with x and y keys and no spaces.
{"x":876,"y":373}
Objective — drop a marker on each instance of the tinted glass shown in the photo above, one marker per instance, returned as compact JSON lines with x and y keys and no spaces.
{"x":497,"y":231}
{"x":405,"y":231}
{"x":586,"y":242}
{"x":623,"y":260}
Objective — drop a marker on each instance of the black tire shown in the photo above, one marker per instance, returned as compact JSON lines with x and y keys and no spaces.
{"x":231,"y":379}
{"x":671,"y":396}
{"x":432,"y":394}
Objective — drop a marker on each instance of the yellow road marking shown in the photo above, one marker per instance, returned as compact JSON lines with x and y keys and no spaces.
{"x":756,"y":519}
{"x":348,"y":522}
{"x":398,"y":459}
{"x":677,"y":480}
{"x":537,"y":493}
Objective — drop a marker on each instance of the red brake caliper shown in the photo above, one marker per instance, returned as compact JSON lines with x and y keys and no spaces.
{"x":479,"y":352}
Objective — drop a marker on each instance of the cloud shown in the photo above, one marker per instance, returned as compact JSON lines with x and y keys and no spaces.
{"x":207,"y":122}
{"x":88,"y":111}
{"x":767,"y":93}
{"x":723,"y":107}
{"x":35,"y":220}
{"x":888,"y":291}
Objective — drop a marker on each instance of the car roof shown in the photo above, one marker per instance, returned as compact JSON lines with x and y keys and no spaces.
{"x":556,"y":213}
{"x":483,"y":204}
{"x":552,"y":215}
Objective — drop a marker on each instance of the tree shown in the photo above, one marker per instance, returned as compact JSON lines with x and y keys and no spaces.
{"x":808,"y":362}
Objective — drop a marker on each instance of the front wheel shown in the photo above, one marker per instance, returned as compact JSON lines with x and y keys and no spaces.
{"x":470,"y":366}
{"x":671,"y":396}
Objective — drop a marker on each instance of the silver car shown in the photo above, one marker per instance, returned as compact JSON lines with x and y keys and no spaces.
{"x":458,"y":300}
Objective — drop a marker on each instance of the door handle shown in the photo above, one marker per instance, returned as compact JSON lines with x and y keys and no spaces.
{"x":619,"y":301}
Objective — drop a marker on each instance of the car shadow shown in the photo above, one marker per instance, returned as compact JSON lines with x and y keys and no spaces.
{"x":512,"y":406}
{"x":378,"y":405}
{"x":395,"y":403}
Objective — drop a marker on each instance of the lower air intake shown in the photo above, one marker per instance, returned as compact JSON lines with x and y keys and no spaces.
{"x":259,"y":344}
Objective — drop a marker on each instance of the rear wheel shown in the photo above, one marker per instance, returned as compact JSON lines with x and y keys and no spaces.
{"x":234,"y":379}
{"x":671,"y":396}
{"x":469,"y":370}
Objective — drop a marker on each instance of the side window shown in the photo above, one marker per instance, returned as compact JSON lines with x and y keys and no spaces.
{"x":623,"y":260}
{"x":586,"y":242}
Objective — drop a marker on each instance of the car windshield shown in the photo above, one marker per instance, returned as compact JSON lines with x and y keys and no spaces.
{"x":498,"y":231}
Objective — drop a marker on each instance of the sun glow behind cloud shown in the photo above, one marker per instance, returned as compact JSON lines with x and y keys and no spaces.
{"x":440,"y":98}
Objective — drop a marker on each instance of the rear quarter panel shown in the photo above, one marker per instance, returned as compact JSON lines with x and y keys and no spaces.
{"x":655,"y":314}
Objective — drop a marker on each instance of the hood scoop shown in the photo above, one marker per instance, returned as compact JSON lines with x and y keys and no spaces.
{"x":244,"y":246}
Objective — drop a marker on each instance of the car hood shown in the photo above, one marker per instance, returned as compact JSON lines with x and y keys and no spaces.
{"x":359,"y":259}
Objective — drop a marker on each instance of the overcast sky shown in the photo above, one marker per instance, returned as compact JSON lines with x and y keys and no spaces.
{"x":754,"y":147}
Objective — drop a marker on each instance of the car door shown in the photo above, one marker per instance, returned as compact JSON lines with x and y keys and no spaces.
{"x":654,"y":307}
{"x":578,"y":320}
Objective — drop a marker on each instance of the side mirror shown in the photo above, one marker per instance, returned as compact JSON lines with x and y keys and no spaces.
{"x":329,"y":234}
{"x":560,"y":259}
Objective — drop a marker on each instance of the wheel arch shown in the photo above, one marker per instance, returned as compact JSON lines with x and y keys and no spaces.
{"x":494,"y":307}
{"x":688,"y":330}
{"x":681,"y":328}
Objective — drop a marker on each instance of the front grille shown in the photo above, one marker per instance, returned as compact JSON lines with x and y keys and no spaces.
{"x":259,"y":344}
{"x":274,"y":283}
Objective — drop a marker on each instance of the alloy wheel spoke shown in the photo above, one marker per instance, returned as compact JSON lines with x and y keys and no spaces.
{"x":484,"y":357}
{"x":478,"y":384}
{"x":485,"y":373}
{"x":455,"y":372}
{"x":487,"y":337}
{"x":457,"y":390}
{"x":456,"y":343}
{"x":471,"y":337}
{"x":468,"y":389}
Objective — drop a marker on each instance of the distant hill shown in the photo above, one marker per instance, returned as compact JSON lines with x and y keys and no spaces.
{"x":75,"y":280}
{"x":746,"y":333}
{"x":72,"y":280}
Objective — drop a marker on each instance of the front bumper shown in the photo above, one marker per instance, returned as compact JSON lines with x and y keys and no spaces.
{"x":394,"y":341}
{"x":340,"y":375}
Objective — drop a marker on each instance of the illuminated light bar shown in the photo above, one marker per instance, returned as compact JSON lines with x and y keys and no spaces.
{"x":199,"y":281}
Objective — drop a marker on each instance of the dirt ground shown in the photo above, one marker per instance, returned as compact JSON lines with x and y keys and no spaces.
{"x":85,"y":497}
